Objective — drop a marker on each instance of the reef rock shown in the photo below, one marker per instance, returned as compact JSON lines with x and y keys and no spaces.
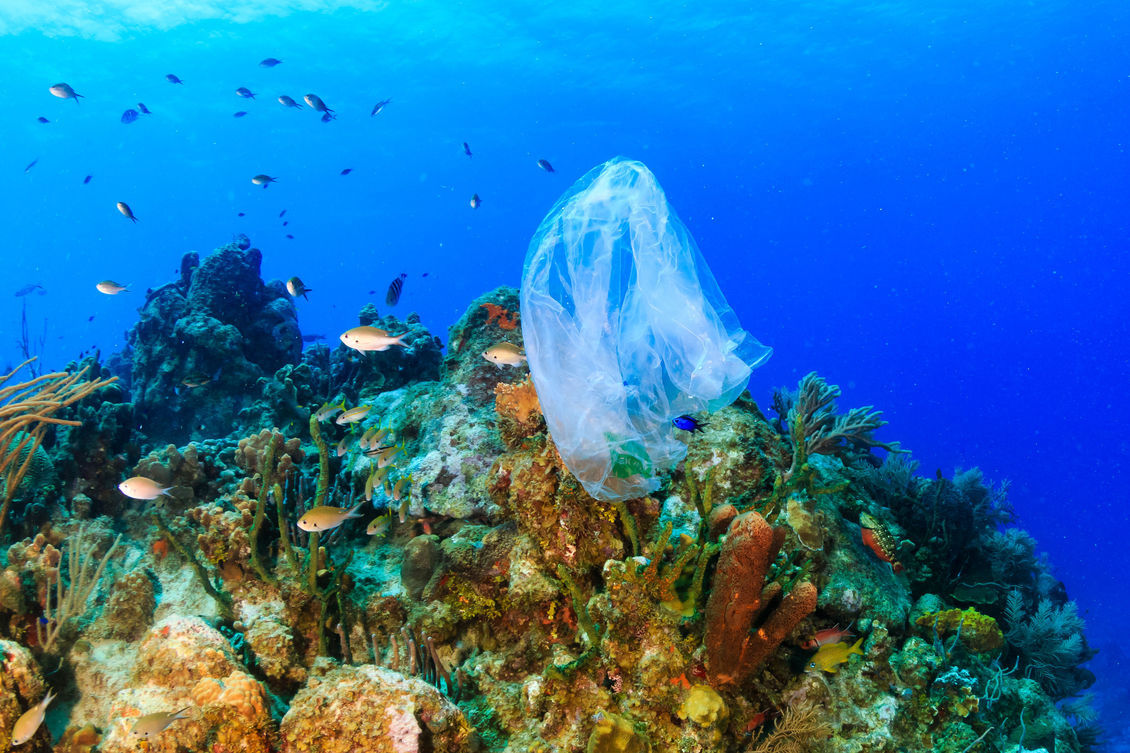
{"x":204,"y":340}
{"x":373,"y":709}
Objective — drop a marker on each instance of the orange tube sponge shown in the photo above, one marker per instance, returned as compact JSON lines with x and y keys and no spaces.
{"x":740,"y":595}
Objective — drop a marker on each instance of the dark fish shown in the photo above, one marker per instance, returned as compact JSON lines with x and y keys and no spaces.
{"x":239,"y":114}
{"x":263,"y":180}
{"x":544,"y":165}
{"x":328,"y":116}
{"x":64,"y":91}
{"x":42,"y":119}
{"x":282,"y":213}
{"x":26,"y":289}
{"x":286,"y":222}
{"x":172,"y":78}
{"x":239,"y":214}
{"x":379,"y":106}
{"x":269,"y":63}
{"x":288,"y":235}
{"x":87,"y":179}
{"x":31,"y":164}
{"x":242,"y":241}
{"x":347,"y":171}
{"x":296,"y":288}
{"x":144,"y":110}
{"x":687,"y":423}
{"x":312,"y":338}
{"x":90,"y":318}
{"x":476,"y":201}
{"x":394,"y":289}
{"x":126,"y":211}
{"x":316,"y":102}
{"x":424,"y":275}
{"x":466,"y":149}
{"x":244,"y":92}
{"x":129,"y":116}
{"x":288,"y":101}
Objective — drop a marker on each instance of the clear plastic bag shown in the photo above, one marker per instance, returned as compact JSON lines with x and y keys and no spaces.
{"x":625,"y":329}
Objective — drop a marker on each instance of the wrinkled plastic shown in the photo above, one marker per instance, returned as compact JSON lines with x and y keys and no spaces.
{"x":625,"y":328}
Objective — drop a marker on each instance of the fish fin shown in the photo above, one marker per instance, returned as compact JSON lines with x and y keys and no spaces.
{"x":166,"y":489}
{"x":353,"y":511}
{"x":51,"y":696}
{"x":180,"y":714}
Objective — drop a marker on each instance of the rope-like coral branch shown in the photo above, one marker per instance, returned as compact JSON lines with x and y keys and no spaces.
{"x":26,"y":410}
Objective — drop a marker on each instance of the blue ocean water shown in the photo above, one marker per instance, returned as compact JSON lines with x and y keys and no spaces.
{"x":927,"y":203}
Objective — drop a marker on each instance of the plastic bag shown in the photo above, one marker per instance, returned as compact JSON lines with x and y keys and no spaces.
{"x":625,"y":329}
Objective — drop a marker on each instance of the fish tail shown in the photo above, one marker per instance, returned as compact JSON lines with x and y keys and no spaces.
{"x":353,"y":511}
{"x":166,"y":489}
{"x":181,"y":714}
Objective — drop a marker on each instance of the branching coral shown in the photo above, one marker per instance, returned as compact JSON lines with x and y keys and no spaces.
{"x":70,"y":600}
{"x":26,"y":411}
{"x":741,"y":594}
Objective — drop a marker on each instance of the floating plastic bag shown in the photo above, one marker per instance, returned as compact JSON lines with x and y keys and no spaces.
{"x":625,"y":329}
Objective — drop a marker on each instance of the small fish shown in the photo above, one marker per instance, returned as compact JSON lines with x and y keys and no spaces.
{"x":312,"y":338}
{"x":388,"y":454}
{"x":326,"y":517}
{"x":64,"y":91}
{"x":288,"y":235}
{"x":263,"y":180}
{"x":269,"y":62}
{"x":363,"y":442}
{"x":28,"y":724}
{"x":126,"y":211}
{"x":288,"y":102}
{"x":239,"y":114}
{"x":286,"y":222}
{"x":282,"y":214}
{"x":394,"y":289}
{"x":129,"y":116}
{"x":369,"y":488}
{"x":353,"y":415}
{"x":109,"y":287}
{"x":26,"y":289}
{"x":149,"y":725}
{"x":366,"y":339}
{"x":197,"y":379}
{"x":347,"y":171}
{"x":544,"y":165}
{"x":400,"y":487}
{"x":476,"y":202}
{"x":467,"y":149}
{"x":328,"y":410}
{"x":341,"y":449}
{"x":244,"y":92}
{"x":504,"y":354}
{"x":140,"y":487}
{"x":379,"y":106}
{"x":826,"y":636}
{"x":379,"y":526}
{"x":87,"y":179}
{"x":687,"y":423}
{"x":242,"y":242}
{"x":240,"y":214}
{"x":831,"y":656}
{"x":144,"y":110}
{"x":31,"y":164}
{"x":42,"y":119}
{"x":880,"y":540}
{"x":328,"y":116}
{"x":296,"y":288}
{"x":316,"y":102}
{"x":172,"y":78}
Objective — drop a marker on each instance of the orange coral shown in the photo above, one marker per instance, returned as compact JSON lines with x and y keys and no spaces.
{"x":519,"y":411}
{"x":239,"y":690}
{"x":505,"y":319}
{"x":160,"y":548}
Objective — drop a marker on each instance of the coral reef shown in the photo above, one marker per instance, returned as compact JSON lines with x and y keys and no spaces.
{"x":785,"y":589}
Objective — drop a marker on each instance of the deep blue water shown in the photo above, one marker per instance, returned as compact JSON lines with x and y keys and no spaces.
{"x":927,"y":202}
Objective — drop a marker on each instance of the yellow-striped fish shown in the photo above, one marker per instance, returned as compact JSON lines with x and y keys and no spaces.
{"x":327,"y":410}
{"x":379,"y":526}
{"x":353,"y":415}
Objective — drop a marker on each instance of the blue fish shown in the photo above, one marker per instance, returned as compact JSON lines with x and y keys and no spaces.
{"x":239,"y":114}
{"x":87,"y":179}
{"x":328,"y":116}
{"x":687,"y":423}
{"x":42,"y":119}
{"x":244,"y":92}
{"x":129,"y":116}
{"x":144,"y":110}
{"x":31,"y":164}
{"x":172,"y":78}
{"x":269,"y":62}
{"x":347,"y":171}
